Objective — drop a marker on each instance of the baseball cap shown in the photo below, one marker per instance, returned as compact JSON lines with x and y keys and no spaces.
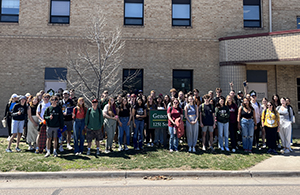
{"x":94,"y":101}
{"x":66,"y":91}
{"x":23,"y":98}
{"x":252,"y":93}
{"x":140,"y":91}
{"x":240,"y":92}
{"x":14,"y":95}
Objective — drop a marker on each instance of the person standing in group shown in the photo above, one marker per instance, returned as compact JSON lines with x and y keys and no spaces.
{"x":286,"y":119}
{"x":166,"y":101}
{"x":258,"y":110}
{"x":223,"y":115}
{"x":104,"y":99}
{"x":110,"y":123}
{"x":93,"y":125}
{"x":139,"y":114}
{"x":192,"y":125}
{"x":42,"y":134}
{"x":174,"y":112}
{"x":264,"y":106}
{"x":181,"y":99}
{"x":207,"y":121}
{"x":73,"y":97}
{"x":276,"y":101}
{"x":8,"y":110}
{"x":196,"y":97}
{"x":55,"y":121}
{"x":67,"y":107}
{"x":18,"y":114}
{"x":150,"y":105}
{"x":124,"y":119}
{"x":288,"y":103}
{"x":78,"y":115}
{"x":233,"y":109}
{"x":160,"y":133}
{"x":33,"y":123}
{"x":270,"y":122}
{"x":247,"y":122}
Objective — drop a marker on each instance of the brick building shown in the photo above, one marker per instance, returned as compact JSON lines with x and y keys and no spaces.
{"x":185,"y":44}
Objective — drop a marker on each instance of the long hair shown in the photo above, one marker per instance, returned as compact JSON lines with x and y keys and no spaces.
{"x":278,"y":100}
{"x":167,"y":102}
{"x":112,"y":107}
{"x":194,"y":102}
{"x":161,"y":104}
{"x":273,"y":109}
{"x":31,"y":102}
{"x":148,"y":102}
{"x":218,"y":104}
{"x":226,"y":102}
{"x":122,"y":104}
{"x":244,"y":105}
{"x":83,"y":105}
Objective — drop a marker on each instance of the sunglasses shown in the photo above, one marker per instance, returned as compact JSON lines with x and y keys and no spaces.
{"x":269,"y":105}
{"x":47,"y":97}
{"x":54,"y":99}
{"x":175,"y":102}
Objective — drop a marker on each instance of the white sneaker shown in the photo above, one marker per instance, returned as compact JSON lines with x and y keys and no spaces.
{"x":233,"y":150}
{"x":227,"y":149}
{"x":287,"y":151}
{"x":222,"y":148}
{"x":107,"y":151}
{"x":125,"y":148}
{"x":203,"y":148}
{"x":88,"y":152}
{"x":291,"y":143}
{"x":61,"y":148}
{"x":55,"y":154}
{"x":98,"y":152}
{"x":190,"y":149}
{"x":69,"y":147}
{"x":194,"y":149}
{"x":282,"y":151}
{"x":148,"y":144}
{"x":239,"y":143}
{"x":151,"y":144}
{"x":8,"y":138}
{"x":120,"y":148}
{"x":47,"y":154}
{"x":264,"y":146}
{"x":171,"y":150}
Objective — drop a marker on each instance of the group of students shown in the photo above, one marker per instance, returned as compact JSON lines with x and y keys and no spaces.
{"x":48,"y":118}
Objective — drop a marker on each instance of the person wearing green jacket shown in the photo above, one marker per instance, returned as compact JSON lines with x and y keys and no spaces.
{"x":222,"y":115}
{"x":54,"y":120}
{"x":93,"y":124}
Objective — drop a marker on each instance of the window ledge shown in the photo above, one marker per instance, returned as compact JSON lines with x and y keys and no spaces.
{"x":57,"y":24}
{"x":255,"y":28}
{"x":9,"y":23}
{"x":133,"y":26}
{"x":187,"y":27}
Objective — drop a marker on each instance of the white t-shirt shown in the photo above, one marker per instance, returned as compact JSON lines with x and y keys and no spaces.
{"x":258,"y":111}
{"x":44,"y":106}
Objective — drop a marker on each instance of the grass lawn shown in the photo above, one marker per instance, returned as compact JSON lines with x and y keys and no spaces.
{"x":153,"y":158}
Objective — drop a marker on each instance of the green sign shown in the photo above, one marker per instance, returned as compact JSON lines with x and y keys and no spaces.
{"x":159,"y":119}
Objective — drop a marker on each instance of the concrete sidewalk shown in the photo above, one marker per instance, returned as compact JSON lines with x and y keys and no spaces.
{"x":287,"y":165}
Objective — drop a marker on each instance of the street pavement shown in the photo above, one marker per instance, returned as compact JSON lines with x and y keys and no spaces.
{"x":287,"y":165}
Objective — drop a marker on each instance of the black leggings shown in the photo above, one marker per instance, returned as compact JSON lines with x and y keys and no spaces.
{"x":233,"y":134}
{"x":271,"y":135}
{"x":256,"y":134}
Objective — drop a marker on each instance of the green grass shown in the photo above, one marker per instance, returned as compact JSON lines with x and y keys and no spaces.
{"x":149,"y":159}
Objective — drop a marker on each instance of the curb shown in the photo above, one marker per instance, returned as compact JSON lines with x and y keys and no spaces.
{"x":142,"y":174}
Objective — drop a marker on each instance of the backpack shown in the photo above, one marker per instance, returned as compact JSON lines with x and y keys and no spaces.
{"x":202,"y":110}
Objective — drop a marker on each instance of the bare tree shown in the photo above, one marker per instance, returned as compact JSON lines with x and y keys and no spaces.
{"x":96,"y":64}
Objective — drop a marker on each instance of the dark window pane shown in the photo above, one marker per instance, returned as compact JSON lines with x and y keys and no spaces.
{"x":9,"y":18}
{"x":251,"y":2}
{"x":183,"y":80}
{"x":133,"y":1}
{"x":134,"y":84}
{"x":181,"y":1}
{"x":298,"y":81}
{"x":181,"y":22}
{"x":134,"y":21}
{"x":57,"y":19}
{"x":298,"y":107}
{"x":298,"y":23}
{"x":252,"y":24}
{"x":298,"y":90}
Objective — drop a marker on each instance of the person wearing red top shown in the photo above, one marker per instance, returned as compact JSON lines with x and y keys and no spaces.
{"x":174,"y":112}
{"x":78,"y":115}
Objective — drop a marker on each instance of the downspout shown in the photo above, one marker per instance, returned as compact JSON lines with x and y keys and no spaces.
{"x":270,"y":15}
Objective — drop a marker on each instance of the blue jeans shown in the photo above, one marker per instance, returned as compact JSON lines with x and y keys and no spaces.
{"x":78,"y":128}
{"x":173,"y":142}
{"x":138,"y":135}
{"x":124,"y":128}
{"x":223,"y":127}
{"x":247,"y":133}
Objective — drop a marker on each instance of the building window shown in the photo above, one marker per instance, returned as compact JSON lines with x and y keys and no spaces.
{"x":132,"y":80}
{"x":60,"y":11}
{"x":134,"y":12}
{"x":252,"y":13}
{"x":181,"y":12}
{"x":298,"y":94}
{"x":183,"y":80}
{"x":9,"y":10}
{"x":298,"y":22}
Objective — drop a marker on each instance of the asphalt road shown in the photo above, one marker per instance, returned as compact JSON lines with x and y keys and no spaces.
{"x":188,"y":186}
